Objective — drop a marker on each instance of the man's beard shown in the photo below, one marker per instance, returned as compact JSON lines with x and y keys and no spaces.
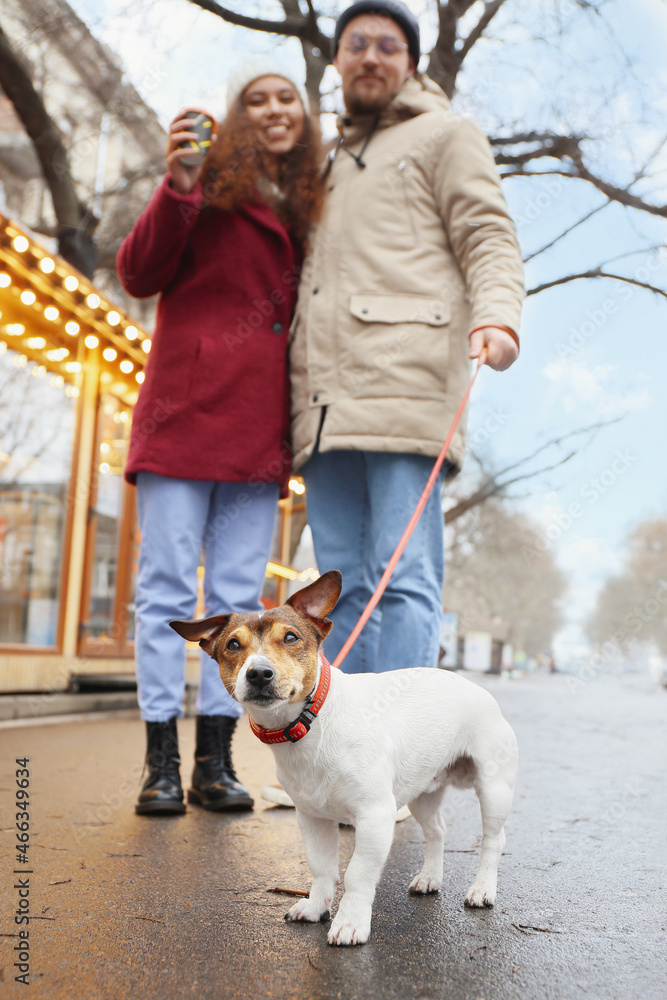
{"x":357,"y":105}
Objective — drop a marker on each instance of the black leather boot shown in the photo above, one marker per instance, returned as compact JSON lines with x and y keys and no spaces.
{"x":162,"y":792}
{"x":214,"y":783}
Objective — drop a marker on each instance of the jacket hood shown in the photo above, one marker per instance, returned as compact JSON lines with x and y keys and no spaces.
{"x":416,"y":97}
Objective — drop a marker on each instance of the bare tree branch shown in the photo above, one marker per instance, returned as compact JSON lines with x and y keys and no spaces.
{"x":621,"y":195}
{"x":585,"y":218}
{"x":494,"y":488}
{"x":305,"y":28}
{"x":445,"y":61}
{"x":76,"y":223}
{"x":494,"y":484}
{"x":490,"y":11}
{"x":564,"y":148}
{"x":596,"y":272}
{"x":549,"y":145}
{"x":316,"y":57}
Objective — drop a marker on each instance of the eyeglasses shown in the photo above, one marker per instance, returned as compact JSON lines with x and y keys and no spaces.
{"x":386,"y":45}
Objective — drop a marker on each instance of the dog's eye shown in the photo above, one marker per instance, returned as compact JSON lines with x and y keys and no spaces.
{"x":290,"y":637}
{"x":233,"y":645}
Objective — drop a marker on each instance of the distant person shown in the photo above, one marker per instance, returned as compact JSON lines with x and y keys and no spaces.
{"x":222,"y":243}
{"x":414,"y":268}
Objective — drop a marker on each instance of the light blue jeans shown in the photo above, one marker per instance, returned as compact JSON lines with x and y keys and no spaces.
{"x":232,"y":524}
{"x":359,"y":503}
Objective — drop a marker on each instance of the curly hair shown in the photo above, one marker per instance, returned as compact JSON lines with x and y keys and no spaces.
{"x":237,"y":161}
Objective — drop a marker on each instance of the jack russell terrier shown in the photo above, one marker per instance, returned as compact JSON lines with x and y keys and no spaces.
{"x":353,"y":748}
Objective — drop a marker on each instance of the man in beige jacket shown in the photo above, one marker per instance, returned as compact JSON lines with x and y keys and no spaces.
{"x":413,"y":268}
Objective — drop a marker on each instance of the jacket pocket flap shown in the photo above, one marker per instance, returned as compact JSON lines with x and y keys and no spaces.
{"x":400,"y":309}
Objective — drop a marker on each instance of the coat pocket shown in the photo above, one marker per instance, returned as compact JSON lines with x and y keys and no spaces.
{"x":399,"y":346}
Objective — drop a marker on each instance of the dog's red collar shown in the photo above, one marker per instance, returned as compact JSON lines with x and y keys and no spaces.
{"x":298,"y":729}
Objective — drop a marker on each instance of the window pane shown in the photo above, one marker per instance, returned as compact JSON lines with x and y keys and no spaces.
{"x":113,"y":438}
{"x":37,"y":421}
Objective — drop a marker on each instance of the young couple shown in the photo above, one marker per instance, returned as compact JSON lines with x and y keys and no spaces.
{"x":412,"y":267}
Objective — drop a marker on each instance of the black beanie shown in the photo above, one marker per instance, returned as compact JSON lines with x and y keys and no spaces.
{"x":394,"y":9}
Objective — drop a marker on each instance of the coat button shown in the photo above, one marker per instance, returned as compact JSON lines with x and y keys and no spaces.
{"x":315,"y":291}
{"x":315,"y":398}
{"x":277,"y":328}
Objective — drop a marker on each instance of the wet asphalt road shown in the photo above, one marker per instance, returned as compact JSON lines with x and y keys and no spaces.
{"x":126,"y":906}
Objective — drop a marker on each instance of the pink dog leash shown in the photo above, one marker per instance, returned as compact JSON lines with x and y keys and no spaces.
{"x":412,"y":524}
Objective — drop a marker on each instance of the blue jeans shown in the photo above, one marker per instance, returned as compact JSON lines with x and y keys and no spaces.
{"x":233,"y":524}
{"x":359,"y":503}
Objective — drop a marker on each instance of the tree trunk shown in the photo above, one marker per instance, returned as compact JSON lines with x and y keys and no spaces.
{"x":75,"y":223}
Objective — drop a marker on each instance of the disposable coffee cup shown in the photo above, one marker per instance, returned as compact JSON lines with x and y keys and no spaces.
{"x":204,"y":126}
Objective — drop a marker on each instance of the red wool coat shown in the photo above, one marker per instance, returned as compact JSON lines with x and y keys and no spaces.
{"x":215,"y":401}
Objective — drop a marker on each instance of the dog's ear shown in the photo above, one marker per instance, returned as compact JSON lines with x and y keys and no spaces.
{"x":317,"y":599}
{"x":205,"y":631}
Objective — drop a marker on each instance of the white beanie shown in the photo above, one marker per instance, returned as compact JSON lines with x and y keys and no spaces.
{"x":266,"y":64}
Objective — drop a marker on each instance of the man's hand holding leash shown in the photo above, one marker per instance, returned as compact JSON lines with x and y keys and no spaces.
{"x":502,"y":347}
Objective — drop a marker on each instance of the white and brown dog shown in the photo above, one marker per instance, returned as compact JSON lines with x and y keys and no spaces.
{"x":353,"y":748}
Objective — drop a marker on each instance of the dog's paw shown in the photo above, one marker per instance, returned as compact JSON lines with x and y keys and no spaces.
{"x":308,"y":911}
{"x":480,"y":896}
{"x":347,"y":932}
{"x":425,"y":883}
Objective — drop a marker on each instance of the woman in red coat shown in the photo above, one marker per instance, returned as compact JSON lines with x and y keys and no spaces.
{"x":222,"y":243}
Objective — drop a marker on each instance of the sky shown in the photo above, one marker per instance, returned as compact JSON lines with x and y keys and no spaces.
{"x":592,"y":351}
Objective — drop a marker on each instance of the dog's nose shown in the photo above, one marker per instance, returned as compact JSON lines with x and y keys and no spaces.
{"x":260,"y":676}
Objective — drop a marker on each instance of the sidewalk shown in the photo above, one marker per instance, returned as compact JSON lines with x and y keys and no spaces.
{"x":126,"y":906}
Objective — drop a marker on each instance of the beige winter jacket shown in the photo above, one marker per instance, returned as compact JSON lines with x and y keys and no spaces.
{"x":414,"y":250}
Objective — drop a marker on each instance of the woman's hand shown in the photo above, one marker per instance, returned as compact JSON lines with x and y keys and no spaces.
{"x":501,"y":347}
{"x":183,"y":177}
